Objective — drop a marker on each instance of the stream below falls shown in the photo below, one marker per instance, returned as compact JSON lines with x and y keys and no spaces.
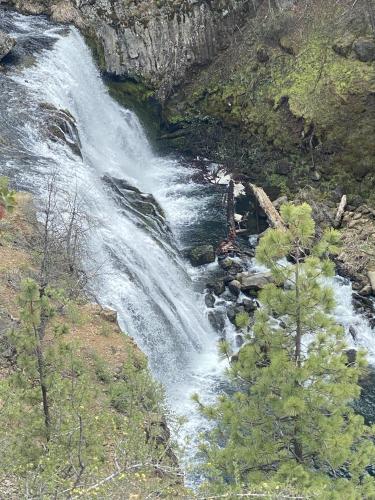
{"x":146,"y":210}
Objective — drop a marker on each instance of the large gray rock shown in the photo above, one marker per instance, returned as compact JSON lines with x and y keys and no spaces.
{"x":364,"y":49}
{"x":203,"y":254}
{"x":254,"y":282}
{"x":6,"y":44}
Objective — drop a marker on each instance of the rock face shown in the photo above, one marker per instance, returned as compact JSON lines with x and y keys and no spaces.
{"x":6,"y":44}
{"x":159,"y":44}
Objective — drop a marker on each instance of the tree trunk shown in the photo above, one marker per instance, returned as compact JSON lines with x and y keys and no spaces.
{"x":273,"y":215}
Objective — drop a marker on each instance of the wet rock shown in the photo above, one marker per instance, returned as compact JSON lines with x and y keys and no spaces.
{"x":249,"y":305}
{"x":217,"y":286}
{"x":217,"y":320}
{"x":364,"y":49}
{"x":235,"y":287}
{"x":239,"y":340}
{"x":209,"y":300}
{"x":353,"y":332}
{"x":231,"y":313}
{"x":6,"y":44}
{"x":203,"y":254}
{"x":351,"y":355}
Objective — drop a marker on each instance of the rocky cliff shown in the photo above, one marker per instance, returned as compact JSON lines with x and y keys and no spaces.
{"x":159,"y":42}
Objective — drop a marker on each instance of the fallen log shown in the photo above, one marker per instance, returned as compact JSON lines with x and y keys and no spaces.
{"x":273,"y":216}
{"x":230,"y":208}
{"x":340,"y":212}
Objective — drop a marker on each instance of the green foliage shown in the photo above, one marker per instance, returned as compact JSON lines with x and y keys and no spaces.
{"x":290,"y":423}
{"x":242,"y":320}
{"x":83,"y":439}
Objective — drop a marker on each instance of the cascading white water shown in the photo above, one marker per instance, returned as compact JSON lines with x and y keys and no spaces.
{"x":141,"y":272}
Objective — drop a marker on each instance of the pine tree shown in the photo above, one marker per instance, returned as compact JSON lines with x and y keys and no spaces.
{"x":290,"y":421}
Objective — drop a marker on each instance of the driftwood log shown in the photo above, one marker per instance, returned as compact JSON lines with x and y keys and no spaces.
{"x":340,"y":212}
{"x":273,"y":216}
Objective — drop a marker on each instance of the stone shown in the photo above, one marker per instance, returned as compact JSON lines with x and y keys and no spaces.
{"x":209,"y":300}
{"x":249,"y":305}
{"x":108,"y":314}
{"x":255,"y":281}
{"x":364,"y":49}
{"x":217,"y":320}
{"x":231,"y":313}
{"x":353,"y":332}
{"x":351,"y":355}
{"x":217,"y":286}
{"x":366,"y":290}
{"x":6,"y":44}
{"x":235,"y":287}
{"x":203,"y":254}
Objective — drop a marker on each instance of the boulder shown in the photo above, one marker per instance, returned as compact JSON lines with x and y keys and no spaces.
{"x":353,"y":332}
{"x":364,"y":49}
{"x":6,"y":44}
{"x":217,"y":320}
{"x":249,"y":305}
{"x":231,"y":313}
{"x":203,"y":254}
{"x":255,"y":282}
{"x":235,"y":287}
{"x":217,"y":286}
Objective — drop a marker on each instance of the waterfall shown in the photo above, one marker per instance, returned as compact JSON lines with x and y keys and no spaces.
{"x":141,"y":273}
